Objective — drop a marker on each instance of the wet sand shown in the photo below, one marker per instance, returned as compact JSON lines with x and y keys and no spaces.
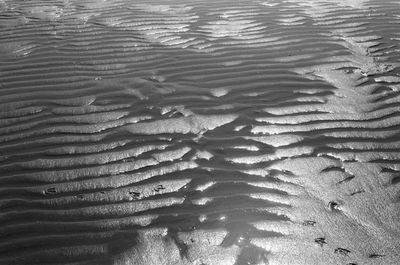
{"x":156,"y":132}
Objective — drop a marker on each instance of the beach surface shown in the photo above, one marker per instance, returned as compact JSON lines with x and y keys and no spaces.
{"x":200,"y":132}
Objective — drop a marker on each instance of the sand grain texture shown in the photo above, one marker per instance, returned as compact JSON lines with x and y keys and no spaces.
{"x":199,"y":133}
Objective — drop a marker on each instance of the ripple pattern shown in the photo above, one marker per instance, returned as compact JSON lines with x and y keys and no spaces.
{"x":163,"y":132}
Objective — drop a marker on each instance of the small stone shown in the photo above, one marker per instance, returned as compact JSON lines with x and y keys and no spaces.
{"x":333,"y":206}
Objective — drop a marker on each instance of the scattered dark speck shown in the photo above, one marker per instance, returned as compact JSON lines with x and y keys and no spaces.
{"x":320,"y":241}
{"x":333,"y":168}
{"x":347,"y":179}
{"x":50,"y":191}
{"x":159,"y":187}
{"x":134,"y":194}
{"x":309,"y":223}
{"x":342,"y":251}
{"x":357,"y":192}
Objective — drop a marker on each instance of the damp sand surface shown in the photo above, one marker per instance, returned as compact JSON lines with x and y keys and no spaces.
{"x":162,"y":132}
